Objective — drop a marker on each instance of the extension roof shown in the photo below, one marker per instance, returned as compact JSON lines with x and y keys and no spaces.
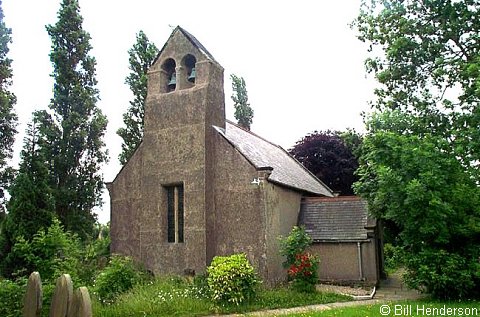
{"x":343,"y":218}
{"x":262,"y":154}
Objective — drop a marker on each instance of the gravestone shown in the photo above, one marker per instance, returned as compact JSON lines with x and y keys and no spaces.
{"x":62,"y":296}
{"x":32,"y":302}
{"x":81,"y":304}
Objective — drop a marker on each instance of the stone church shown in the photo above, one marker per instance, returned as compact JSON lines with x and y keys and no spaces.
{"x":200,"y":186}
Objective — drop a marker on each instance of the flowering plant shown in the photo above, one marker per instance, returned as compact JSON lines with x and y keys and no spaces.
{"x":301,"y":266}
{"x":303,"y":272}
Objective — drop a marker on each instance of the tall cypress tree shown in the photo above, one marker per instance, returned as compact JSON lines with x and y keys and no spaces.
{"x":31,"y":206}
{"x":141,"y":57}
{"x":73,"y":136}
{"x":8,"y":118}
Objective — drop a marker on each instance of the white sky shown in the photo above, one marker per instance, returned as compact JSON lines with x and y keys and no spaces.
{"x":302,"y":63}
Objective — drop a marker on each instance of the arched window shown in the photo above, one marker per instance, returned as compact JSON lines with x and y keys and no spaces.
{"x":170,"y":75}
{"x":188,"y":62}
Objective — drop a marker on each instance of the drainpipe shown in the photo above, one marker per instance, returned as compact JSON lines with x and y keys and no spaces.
{"x":359,"y":251}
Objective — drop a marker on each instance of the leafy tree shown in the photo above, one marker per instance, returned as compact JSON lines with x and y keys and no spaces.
{"x":419,"y":163}
{"x":141,"y":57}
{"x":411,"y":181}
{"x":73,"y":135}
{"x":8,"y":118}
{"x":429,"y":66}
{"x":327,"y":155}
{"x":243,"y":111}
{"x":31,"y":206}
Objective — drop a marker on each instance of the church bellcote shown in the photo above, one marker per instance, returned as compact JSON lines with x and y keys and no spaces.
{"x":187,"y":77}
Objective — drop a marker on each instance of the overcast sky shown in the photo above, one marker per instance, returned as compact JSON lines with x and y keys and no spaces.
{"x":302,"y":63}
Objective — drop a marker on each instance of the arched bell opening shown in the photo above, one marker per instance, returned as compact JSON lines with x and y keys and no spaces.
{"x":188,"y":62}
{"x":170,"y":75}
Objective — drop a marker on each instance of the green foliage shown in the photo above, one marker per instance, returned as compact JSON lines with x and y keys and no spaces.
{"x":232,"y":279}
{"x":304,"y":272}
{"x":329,"y":157}
{"x":243,"y":111}
{"x":119,"y":276}
{"x":444,"y":274}
{"x":419,"y":165}
{"x":141,"y":57}
{"x":8,"y":118}
{"x":72,"y":138}
{"x":51,"y":253}
{"x":416,"y":183}
{"x":11,"y":297}
{"x":302,"y":267}
{"x":295,"y":243}
{"x":31,"y":206}
{"x":394,"y":257}
{"x":95,"y":256}
{"x":200,"y":283}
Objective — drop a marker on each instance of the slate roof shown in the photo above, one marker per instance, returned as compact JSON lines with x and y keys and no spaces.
{"x":342,"y":218}
{"x":262,"y":154}
{"x":192,"y":39}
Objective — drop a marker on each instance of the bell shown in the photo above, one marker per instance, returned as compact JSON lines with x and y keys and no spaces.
{"x":173,"y":80}
{"x":192,"y":76}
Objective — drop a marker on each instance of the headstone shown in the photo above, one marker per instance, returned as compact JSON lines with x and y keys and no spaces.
{"x":81,"y":304}
{"x":32,"y":302}
{"x":62,"y":296}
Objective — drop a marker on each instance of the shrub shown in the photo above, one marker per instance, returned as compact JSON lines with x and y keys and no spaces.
{"x":445,"y":275}
{"x":50,"y":252}
{"x":119,"y":276}
{"x":11,"y":298}
{"x":295,"y":243}
{"x":302,"y":267}
{"x":231,"y":279}
{"x":94,"y":259}
{"x":304,"y":272}
{"x":393,"y":256}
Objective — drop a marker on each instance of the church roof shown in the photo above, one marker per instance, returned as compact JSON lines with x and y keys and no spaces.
{"x":343,"y":218}
{"x":196,"y":43}
{"x":262,"y":154}
{"x":192,"y":39}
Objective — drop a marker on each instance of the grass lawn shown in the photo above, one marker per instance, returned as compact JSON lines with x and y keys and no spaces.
{"x":176,"y":297}
{"x":402,"y":308}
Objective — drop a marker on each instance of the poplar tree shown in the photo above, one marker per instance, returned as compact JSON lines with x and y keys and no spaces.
{"x":73,"y":134}
{"x":8,"y":118}
{"x":243,"y":111}
{"x":141,"y":57}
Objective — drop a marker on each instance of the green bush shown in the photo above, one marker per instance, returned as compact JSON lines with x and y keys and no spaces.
{"x":393,"y":256}
{"x":302,"y":267}
{"x":11,"y":298}
{"x":119,"y":276}
{"x":94,"y":258}
{"x":445,"y":275}
{"x":295,"y":243}
{"x":304,"y":273}
{"x":51,"y":253}
{"x":231,"y":279}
